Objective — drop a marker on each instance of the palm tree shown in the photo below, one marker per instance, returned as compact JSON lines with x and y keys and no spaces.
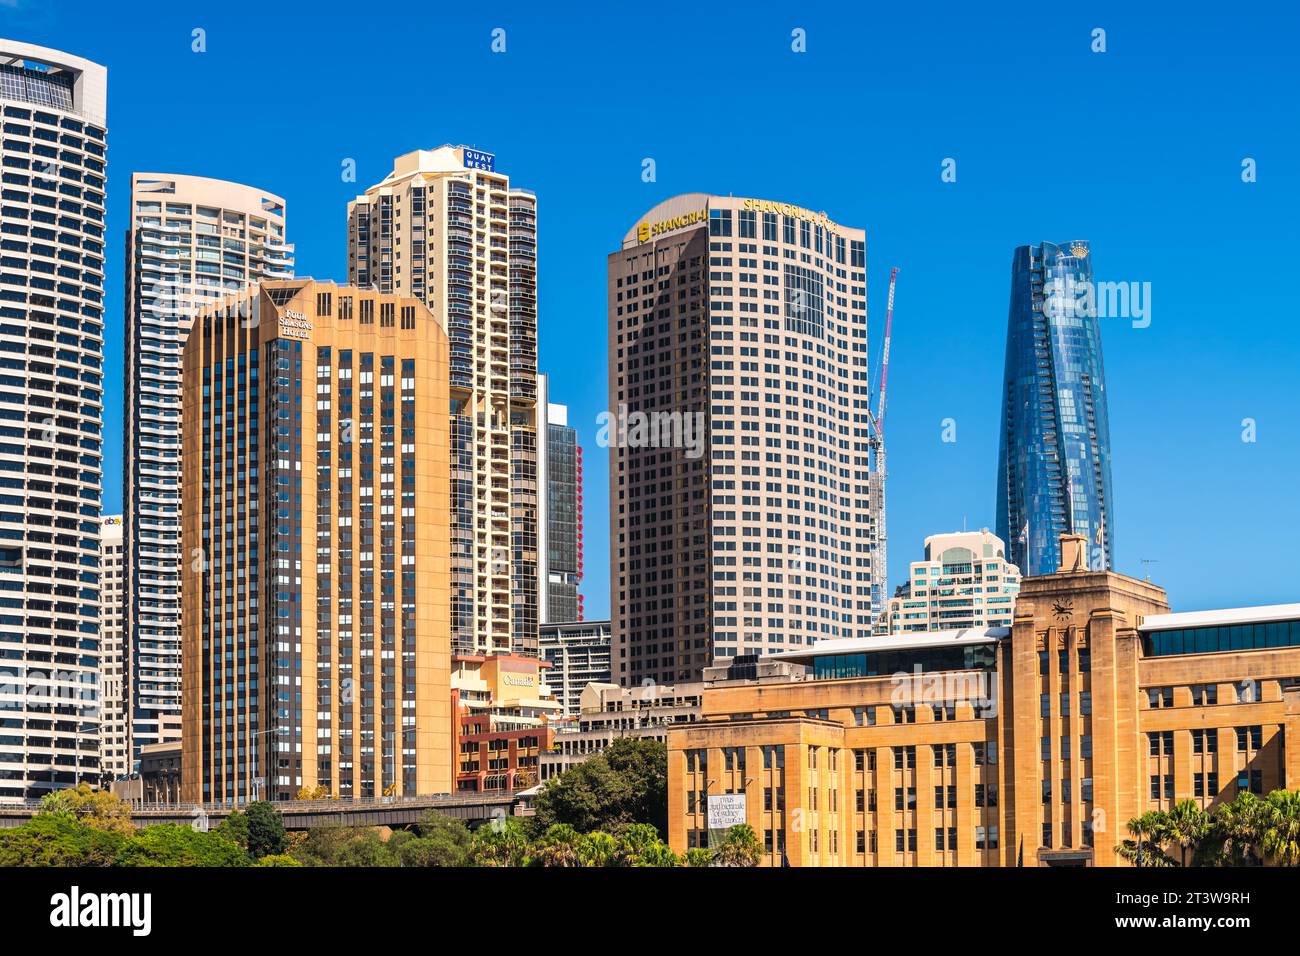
{"x":1150,"y":832}
{"x":1186,"y":827}
{"x":1280,"y":839}
{"x":739,"y":848}
{"x":1241,"y":826}
{"x":560,"y":846}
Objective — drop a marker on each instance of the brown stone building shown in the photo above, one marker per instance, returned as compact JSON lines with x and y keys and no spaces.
{"x":994,"y":746}
{"x":316,"y":533}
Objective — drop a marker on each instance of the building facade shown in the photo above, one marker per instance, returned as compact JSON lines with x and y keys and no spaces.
{"x":1054,"y":452}
{"x":315,"y":503}
{"x":1032,"y":745}
{"x":607,"y":712}
{"x":114,"y":724}
{"x":505,"y":715}
{"x":446,"y":228}
{"x":578,"y":653}
{"x":51,"y":416}
{"x":559,"y":462}
{"x":737,"y":429}
{"x":191,"y":241}
{"x":964,"y":581}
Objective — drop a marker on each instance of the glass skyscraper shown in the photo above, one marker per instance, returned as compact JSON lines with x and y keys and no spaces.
{"x":1054,"y":452}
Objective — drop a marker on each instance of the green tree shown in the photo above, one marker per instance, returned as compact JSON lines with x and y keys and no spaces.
{"x":503,"y":842}
{"x":740,"y":847}
{"x":169,"y":844}
{"x":698,"y":856}
{"x":1280,"y":836}
{"x":1149,"y":831}
{"x":95,"y":808}
{"x":235,"y":828}
{"x":639,"y":845}
{"x":265,"y":829}
{"x":1186,"y":826}
{"x":437,"y":840}
{"x":277,"y":859}
{"x":598,"y":849}
{"x":561,"y":845}
{"x":367,"y":848}
{"x":626,"y":783}
{"x":59,"y":839}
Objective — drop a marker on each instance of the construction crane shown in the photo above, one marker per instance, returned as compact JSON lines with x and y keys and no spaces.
{"x":876,"y":443}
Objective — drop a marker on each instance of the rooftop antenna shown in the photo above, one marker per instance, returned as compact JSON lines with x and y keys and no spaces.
{"x":1146,"y":562}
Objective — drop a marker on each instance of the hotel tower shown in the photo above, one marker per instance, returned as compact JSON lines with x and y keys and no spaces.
{"x":315,"y":526}
{"x":191,"y":240}
{"x":446,"y":228}
{"x":52,"y":407}
{"x":739,"y":463}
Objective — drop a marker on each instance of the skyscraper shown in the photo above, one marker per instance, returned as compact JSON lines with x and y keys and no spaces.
{"x":737,"y":428}
{"x":559,"y":463}
{"x":446,"y":228}
{"x":315,"y":506}
{"x":1054,"y":450}
{"x":51,"y":403}
{"x":191,"y":241}
{"x":114,"y":736}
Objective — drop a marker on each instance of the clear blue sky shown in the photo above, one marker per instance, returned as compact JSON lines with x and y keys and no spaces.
{"x":1138,"y":149}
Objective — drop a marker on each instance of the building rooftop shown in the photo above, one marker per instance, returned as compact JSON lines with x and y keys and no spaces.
{"x":1220,"y":617}
{"x":914,"y":640}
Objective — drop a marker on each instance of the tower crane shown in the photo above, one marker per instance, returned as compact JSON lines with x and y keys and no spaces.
{"x":876,"y":443}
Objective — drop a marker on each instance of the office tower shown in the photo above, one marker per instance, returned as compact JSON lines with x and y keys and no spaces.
{"x":446,"y":228}
{"x":578,"y":653}
{"x":315,"y":503}
{"x":559,"y":551}
{"x":114,"y":748}
{"x":964,"y":581}
{"x":191,"y":240}
{"x":1054,"y":453}
{"x":51,"y":469}
{"x":750,"y":315}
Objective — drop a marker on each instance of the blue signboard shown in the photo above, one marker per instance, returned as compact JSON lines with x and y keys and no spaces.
{"x":477,"y":159}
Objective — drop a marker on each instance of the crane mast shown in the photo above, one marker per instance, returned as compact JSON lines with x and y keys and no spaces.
{"x":876,"y":441}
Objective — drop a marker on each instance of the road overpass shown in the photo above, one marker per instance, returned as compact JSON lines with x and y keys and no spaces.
{"x":473,"y":809}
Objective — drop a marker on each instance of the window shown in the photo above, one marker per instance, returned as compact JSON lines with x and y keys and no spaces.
{"x":1205,"y":694}
{"x":719,"y":222}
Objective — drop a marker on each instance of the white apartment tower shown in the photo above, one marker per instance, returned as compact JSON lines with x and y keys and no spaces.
{"x":446,"y":228}
{"x":191,"y":240}
{"x":51,"y":416}
{"x":965,"y":580}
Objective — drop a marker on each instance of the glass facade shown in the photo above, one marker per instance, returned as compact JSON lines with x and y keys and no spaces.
{"x":1228,"y":637}
{"x":878,"y":663}
{"x":1054,"y":452}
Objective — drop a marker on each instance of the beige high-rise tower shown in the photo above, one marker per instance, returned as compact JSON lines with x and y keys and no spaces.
{"x":445,"y":227}
{"x":738,"y":477}
{"x":316,"y":611}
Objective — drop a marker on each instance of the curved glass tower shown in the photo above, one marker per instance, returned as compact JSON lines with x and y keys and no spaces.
{"x":1054,"y":454}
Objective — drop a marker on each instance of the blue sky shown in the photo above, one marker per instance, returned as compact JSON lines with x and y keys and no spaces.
{"x":1138,"y":149}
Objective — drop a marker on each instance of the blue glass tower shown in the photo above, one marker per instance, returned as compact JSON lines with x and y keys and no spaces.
{"x":1054,"y":452}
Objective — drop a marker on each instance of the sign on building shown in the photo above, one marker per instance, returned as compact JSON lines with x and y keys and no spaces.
{"x":725,"y":811}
